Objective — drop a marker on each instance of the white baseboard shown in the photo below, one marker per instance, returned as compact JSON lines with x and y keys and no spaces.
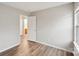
{"x":76,"y":46}
{"x":9,"y":48}
{"x":53,"y":46}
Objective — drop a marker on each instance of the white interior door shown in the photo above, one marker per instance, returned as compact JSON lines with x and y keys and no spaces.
{"x":32,"y":28}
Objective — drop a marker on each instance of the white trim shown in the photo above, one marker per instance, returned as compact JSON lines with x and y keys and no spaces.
{"x":75,"y":23}
{"x":76,"y":46}
{"x":52,"y":46}
{"x":9,"y":48}
{"x":77,"y":9}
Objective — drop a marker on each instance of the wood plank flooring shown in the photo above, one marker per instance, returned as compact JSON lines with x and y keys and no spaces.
{"x":30,"y":48}
{"x":36,"y":49}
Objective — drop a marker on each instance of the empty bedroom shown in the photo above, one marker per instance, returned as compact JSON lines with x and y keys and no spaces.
{"x":38,"y":29}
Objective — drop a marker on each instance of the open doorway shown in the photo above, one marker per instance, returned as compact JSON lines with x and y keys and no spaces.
{"x":23,"y":25}
{"x":28,"y":27}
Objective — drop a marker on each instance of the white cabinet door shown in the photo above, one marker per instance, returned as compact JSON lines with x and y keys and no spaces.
{"x":32,"y":28}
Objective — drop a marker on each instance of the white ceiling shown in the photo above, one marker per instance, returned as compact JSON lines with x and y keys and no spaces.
{"x":33,"y":6}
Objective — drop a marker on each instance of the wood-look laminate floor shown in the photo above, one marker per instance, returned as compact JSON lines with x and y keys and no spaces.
{"x":30,"y":48}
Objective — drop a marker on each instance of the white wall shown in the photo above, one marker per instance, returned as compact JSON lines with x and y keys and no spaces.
{"x":55,"y":26}
{"x":9,"y":26}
